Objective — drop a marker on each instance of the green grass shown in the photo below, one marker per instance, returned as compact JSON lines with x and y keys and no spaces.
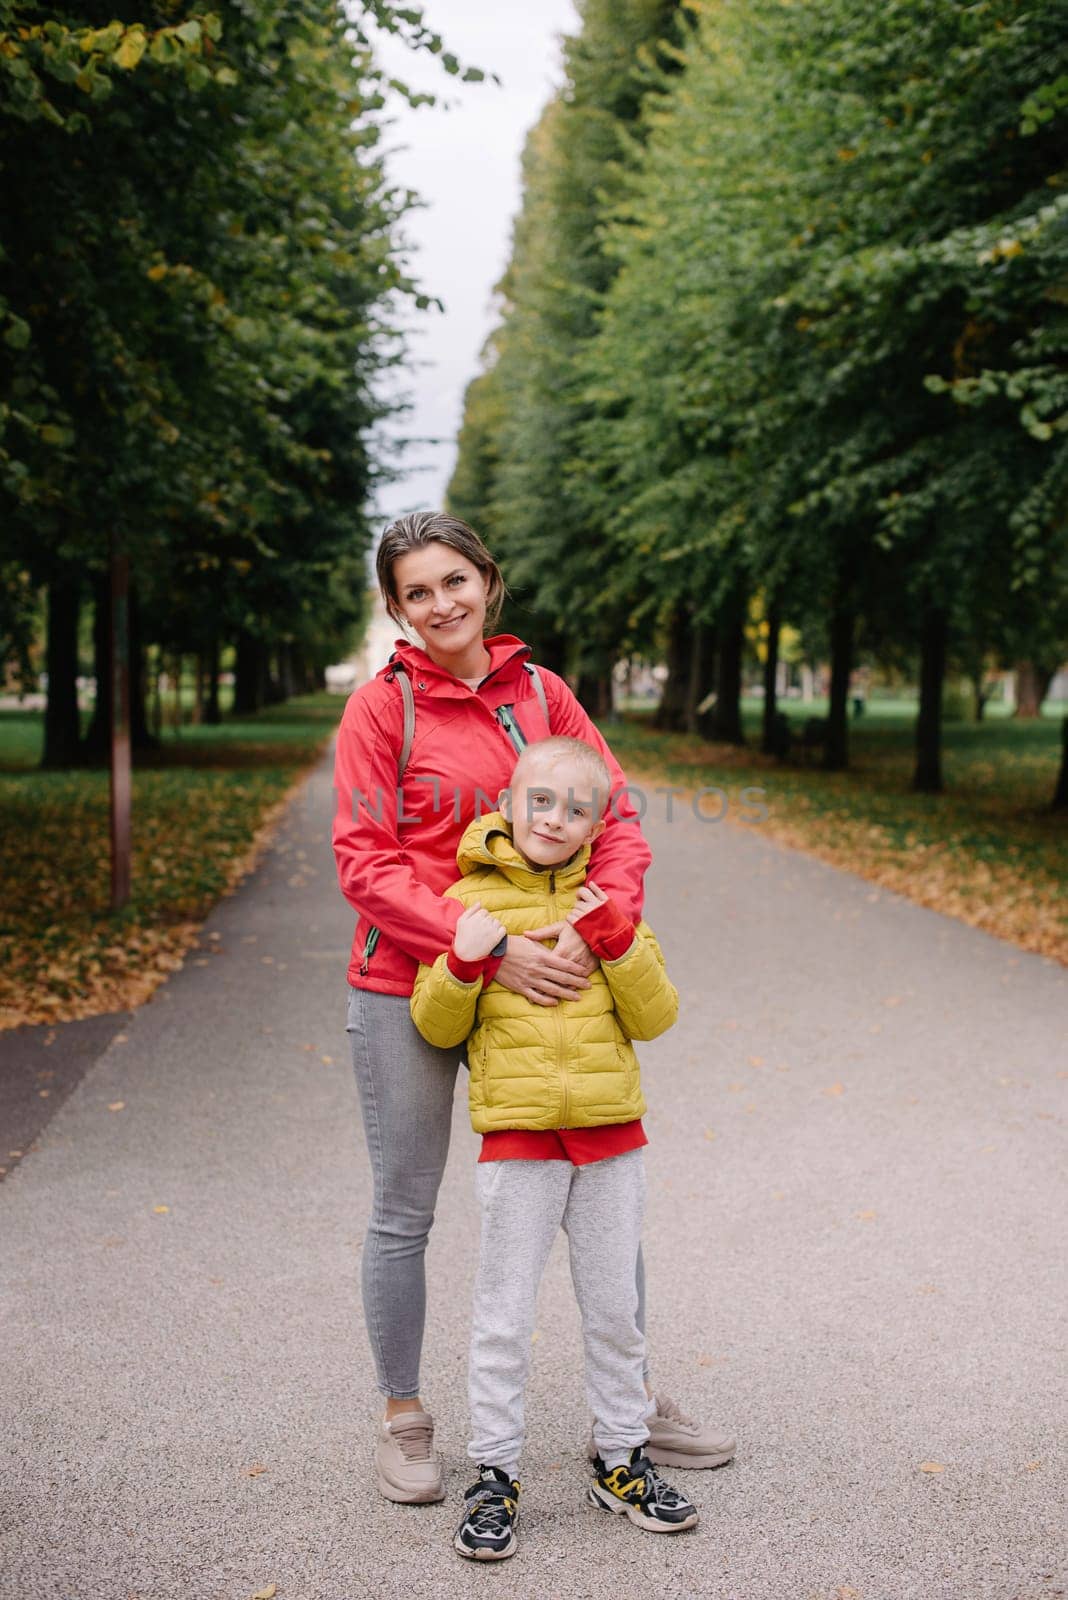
{"x":198,"y":802}
{"x":988,"y":849}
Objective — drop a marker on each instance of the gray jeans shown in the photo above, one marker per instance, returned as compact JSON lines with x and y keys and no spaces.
{"x":406,"y":1091}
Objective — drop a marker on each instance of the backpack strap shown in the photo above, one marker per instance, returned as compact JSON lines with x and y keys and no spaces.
{"x":539,"y":690}
{"x":408,"y":697}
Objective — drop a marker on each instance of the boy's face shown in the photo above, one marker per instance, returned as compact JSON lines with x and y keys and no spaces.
{"x":553,"y":809}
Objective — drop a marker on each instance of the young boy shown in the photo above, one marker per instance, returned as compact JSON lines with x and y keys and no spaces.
{"x":555,"y":1092}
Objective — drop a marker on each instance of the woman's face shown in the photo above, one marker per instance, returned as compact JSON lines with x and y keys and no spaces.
{"x":442,"y":596}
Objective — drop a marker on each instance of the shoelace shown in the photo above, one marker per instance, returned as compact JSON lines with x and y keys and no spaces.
{"x":415,"y":1441}
{"x":659,"y":1491}
{"x":671,"y":1411}
{"x":487,"y":1512}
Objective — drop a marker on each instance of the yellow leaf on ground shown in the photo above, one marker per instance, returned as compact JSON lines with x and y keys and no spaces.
{"x":266,"y":1594}
{"x":867,"y":1216}
{"x":756,"y":1061}
{"x":1032,"y":1466}
{"x":256,"y":1469}
{"x":835,"y":1088}
{"x":709,"y":1134}
{"x":932,"y":1466}
{"x":117,"y":1105}
{"x":161,"y":1211}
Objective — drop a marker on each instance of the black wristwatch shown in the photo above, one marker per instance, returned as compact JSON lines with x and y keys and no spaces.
{"x":501,"y":947}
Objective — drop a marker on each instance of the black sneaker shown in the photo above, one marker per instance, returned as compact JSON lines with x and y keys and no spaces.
{"x":639,"y":1492}
{"x":487,"y":1530}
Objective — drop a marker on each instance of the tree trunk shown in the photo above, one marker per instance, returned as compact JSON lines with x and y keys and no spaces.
{"x":286,"y":689}
{"x":176,"y":667}
{"x":836,"y":749}
{"x":593,"y":691}
{"x":769,"y":742}
{"x":670,"y":714}
{"x":1032,"y":685}
{"x":726,"y":719}
{"x":157,"y":692}
{"x":61,"y":731}
{"x":1060,"y":793}
{"x":212,"y":713}
{"x":248,"y":672}
{"x":702,"y":672}
{"x":97,"y":741}
{"x":198,"y":688}
{"x":927,"y":777}
{"x":141,"y":737}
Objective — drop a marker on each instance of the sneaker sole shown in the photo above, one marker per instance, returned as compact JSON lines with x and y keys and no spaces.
{"x":620,"y":1508}
{"x":482,"y":1554}
{"x":676,"y":1458}
{"x":410,"y":1497}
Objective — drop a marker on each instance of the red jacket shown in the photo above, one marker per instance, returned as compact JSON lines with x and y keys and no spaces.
{"x":394,"y":861}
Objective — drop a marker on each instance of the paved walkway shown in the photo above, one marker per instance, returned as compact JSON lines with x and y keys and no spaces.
{"x":856,"y":1255}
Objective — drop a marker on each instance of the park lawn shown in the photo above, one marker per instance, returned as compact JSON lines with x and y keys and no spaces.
{"x":203,"y":806}
{"x":988,"y":850}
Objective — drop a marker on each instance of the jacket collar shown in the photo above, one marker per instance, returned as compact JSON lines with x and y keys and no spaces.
{"x":487,"y":842}
{"x":507,"y":655}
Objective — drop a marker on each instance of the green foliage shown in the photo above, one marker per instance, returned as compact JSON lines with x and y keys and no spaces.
{"x":786,"y":313}
{"x":197,"y":258}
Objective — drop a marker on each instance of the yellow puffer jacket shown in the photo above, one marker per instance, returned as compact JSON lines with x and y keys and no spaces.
{"x":565,"y":1066}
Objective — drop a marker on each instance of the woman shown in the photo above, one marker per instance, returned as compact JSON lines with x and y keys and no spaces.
{"x":405,"y":794}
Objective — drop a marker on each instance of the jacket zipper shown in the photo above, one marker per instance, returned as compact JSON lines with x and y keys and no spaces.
{"x":369,"y":950}
{"x":511,"y":728}
{"x":565,"y":1088}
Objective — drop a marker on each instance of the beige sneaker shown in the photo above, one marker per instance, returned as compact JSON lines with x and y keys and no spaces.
{"x":409,"y":1469}
{"x":675,"y":1440}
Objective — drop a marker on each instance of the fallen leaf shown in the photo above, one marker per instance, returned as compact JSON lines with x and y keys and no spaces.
{"x":44,"y":1093}
{"x":892,"y":1000}
{"x":1032,"y":1466}
{"x":14,"y":1154}
{"x":117,"y":1105}
{"x":845,"y":1592}
{"x":268,"y":961}
{"x":327,"y":1061}
{"x":835,"y":1088}
{"x":120,"y":1038}
{"x":876,"y":1027}
{"x":709,"y":1134}
{"x":266,"y":1594}
{"x":756,"y":1061}
{"x":161,"y":1211}
{"x":867,"y":1216}
{"x":932,"y":1466}
{"x":928,"y":1288}
{"x":736,"y":1088}
{"x":256,"y":1470}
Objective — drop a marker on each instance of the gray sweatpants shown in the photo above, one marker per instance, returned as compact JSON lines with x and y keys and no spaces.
{"x":599,"y":1207}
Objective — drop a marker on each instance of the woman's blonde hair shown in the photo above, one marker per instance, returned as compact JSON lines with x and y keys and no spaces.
{"x":415,"y":532}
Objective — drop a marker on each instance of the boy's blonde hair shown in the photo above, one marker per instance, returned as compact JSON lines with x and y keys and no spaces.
{"x":584,"y":756}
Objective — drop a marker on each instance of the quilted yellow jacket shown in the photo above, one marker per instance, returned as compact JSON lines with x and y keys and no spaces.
{"x":565,"y":1066}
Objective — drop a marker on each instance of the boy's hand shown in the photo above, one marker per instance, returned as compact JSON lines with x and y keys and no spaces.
{"x":476,"y":933}
{"x":588,"y":898}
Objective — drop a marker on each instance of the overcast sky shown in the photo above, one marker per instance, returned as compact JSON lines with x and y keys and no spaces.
{"x":464,"y":163}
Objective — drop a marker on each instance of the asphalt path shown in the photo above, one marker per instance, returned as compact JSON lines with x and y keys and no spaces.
{"x":855,"y":1247}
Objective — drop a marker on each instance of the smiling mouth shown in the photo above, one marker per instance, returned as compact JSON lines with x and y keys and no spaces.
{"x":452,"y":622}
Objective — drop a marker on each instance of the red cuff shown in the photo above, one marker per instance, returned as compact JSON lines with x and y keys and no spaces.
{"x":490,"y":968}
{"x":466,"y":971}
{"x":608,"y":931}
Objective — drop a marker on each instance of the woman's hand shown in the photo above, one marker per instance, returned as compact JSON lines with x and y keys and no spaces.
{"x":547,"y":976}
{"x":476,"y":933}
